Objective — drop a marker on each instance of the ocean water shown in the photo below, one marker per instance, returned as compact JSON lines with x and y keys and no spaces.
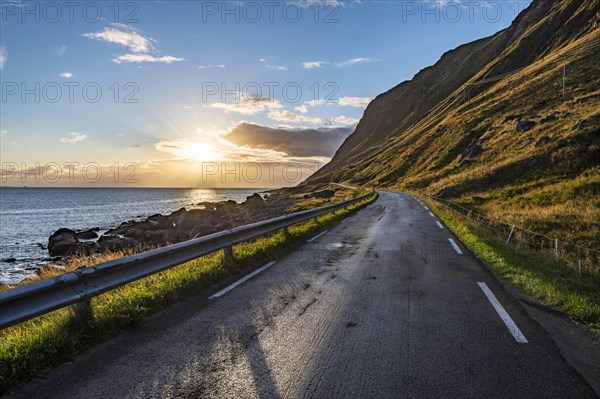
{"x":29,"y":215}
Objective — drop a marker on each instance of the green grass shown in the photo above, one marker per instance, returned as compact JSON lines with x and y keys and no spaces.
{"x":29,"y":349}
{"x":537,"y":274}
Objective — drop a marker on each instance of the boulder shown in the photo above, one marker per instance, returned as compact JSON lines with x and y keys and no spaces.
{"x":524,"y":143}
{"x":9,"y":260}
{"x":61,"y":241}
{"x":550,"y":118}
{"x":117,"y":244}
{"x":525,"y":125}
{"x":87,"y":235}
{"x":580,"y":124}
{"x":83,"y":248}
{"x":543,"y":141}
{"x":473,"y":150}
{"x":323,"y":194}
{"x":254,"y":201}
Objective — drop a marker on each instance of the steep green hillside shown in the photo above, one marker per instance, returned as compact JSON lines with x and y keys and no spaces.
{"x":489,"y":127}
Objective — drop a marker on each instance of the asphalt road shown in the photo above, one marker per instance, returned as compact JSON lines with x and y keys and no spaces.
{"x":380,"y":306}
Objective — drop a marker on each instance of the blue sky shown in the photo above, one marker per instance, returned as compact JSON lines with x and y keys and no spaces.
{"x":157,"y":62}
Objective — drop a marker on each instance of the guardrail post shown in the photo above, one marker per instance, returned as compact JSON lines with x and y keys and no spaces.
{"x":286,"y":232}
{"x":228,"y":252}
{"x":316,"y":219}
{"x":556,"y":247}
{"x":83,"y":311}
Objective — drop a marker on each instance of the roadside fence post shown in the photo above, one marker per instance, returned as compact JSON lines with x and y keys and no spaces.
{"x":556,"y":247}
{"x":511,"y":233}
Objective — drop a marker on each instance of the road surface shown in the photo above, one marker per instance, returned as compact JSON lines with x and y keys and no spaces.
{"x":383,"y":305}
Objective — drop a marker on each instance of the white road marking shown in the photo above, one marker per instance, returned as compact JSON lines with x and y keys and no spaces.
{"x":359,"y":212}
{"x":455,"y":246}
{"x":426,"y":207}
{"x":242,"y":280}
{"x":440,"y":225}
{"x":345,"y":220}
{"x":432,"y":215}
{"x":510,"y":324}
{"x":317,"y":236}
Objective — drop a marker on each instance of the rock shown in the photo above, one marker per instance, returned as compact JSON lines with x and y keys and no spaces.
{"x":83,"y":248}
{"x":323,"y":194}
{"x":478,"y":200}
{"x":525,"y":125}
{"x":524,"y":143}
{"x":108,"y":237}
{"x":254,"y":201}
{"x":473,"y":150}
{"x":117,"y":244}
{"x":542,"y":141}
{"x":87,"y":235}
{"x":61,"y":241}
{"x":550,"y":118}
{"x":511,"y":117}
{"x":448,"y":192}
{"x":9,"y":260}
{"x":580,"y":124}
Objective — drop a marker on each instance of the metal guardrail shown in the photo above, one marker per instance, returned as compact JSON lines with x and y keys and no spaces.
{"x":26,"y":302}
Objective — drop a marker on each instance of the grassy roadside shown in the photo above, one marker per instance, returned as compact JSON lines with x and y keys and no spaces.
{"x":537,"y":274}
{"x":30,"y":348}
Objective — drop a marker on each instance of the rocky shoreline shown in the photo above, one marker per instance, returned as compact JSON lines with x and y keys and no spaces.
{"x":160,"y":230}
{"x":182,"y":225}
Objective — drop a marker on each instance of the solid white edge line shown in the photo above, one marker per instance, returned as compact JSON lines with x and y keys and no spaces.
{"x":455,"y":246}
{"x":510,"y":324}
{"x":432,"y":215}
{"x":440,"y":225}
{"x":317,"y":236}
{"x":242,"y":280}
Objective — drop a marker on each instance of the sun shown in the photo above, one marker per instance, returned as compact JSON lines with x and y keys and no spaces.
{"x":199,"y":151}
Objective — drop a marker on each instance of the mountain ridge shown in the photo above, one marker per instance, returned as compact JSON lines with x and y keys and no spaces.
{"x":458,"y":131}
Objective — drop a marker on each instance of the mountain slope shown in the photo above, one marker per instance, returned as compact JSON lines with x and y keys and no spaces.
{"x":452,"y":130}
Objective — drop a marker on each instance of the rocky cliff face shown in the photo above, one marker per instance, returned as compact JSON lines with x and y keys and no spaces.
{"x":543,"y":28}
{"x":490,"y":121}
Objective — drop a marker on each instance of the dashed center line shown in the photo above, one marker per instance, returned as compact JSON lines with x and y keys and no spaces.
{"x":426,"y":207}
{"x":510,"y":324}
{"x":242,"y":280}
{"x":440,"y":225}
{"x":317,"y":236}
{"x":455,"y":246}
{"x":432,"y":215}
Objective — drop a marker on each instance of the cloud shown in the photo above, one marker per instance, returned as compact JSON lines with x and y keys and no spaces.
{"x":3,"y":133}
{"x":66,"y":75}
{"x":220,"y":66}
{"x":165,"y":59}
{"x":60,"y":50}
{"x":355,"y":61}
{"x":302,"y":109}
{"x":3,"y":57}
{"x":250,"y":106}
{"x":303,"y":143}
{"x":357,"y":102}
{"x":290,"y":117}
{"x":313,"y":64}
{"x":270,"y":66}
{"x":129,"y":37}
{"x":124,"y":35}
{"x":73,"y":138}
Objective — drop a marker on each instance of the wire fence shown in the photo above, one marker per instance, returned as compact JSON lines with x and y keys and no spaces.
{"x":581,"y":259}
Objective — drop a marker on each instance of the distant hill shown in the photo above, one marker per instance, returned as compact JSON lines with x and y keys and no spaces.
{"x":488,"y":125}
